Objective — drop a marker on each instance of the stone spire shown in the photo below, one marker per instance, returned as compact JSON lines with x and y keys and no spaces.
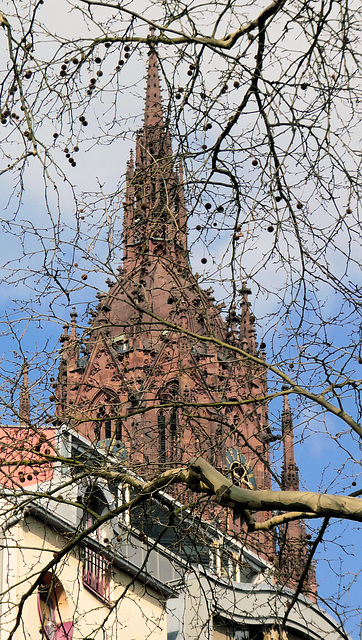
{"x":247,"y":329}
{"x":73,"y":324}
{"x":155,"y":137}
{"x":290,"y":473}
{"x":69,"y":356}
{"x":153,"y":106}
{"x":293,"y":543}
{"x":24,"y":402}
{"x":154,"y":209}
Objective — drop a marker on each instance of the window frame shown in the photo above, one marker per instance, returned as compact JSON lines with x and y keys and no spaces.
{"x":96,"y":575}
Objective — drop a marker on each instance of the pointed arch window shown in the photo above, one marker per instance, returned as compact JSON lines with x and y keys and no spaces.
{"x":105,"y":407}
{"x":47,"y":609}
{"x":95,"y":505}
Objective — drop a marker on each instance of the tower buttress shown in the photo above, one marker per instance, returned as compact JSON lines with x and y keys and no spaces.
{"x":183,"y":210}
{"x":73,"y":329}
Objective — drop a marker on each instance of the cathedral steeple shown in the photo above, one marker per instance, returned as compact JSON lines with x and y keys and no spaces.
{"x":140,"y":362}
{"x":156,"y":137}
{"x":154,"y":215}
{"x":153,"y":106}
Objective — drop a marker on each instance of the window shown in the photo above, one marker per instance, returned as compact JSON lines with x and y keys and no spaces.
{"x":97,"y":574}
{"x":105,"y":416}
{"x":53,"y":610}
{"x":167,"y":436}
{"x":121,"y":344}
{"x":173,"y":435}
{"x":47,"y":610}
{"x":108,"y":428}
{"x":161,"y":422}
{"x":224,"y":562}
{"x":125,"y":496}
{"x":167,"y":423}
{"x":119,"y":429}
{"x":219,"y":561}
{"x":95,"y":505}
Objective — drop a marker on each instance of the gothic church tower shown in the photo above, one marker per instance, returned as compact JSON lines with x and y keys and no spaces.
{"x":158,"y":377}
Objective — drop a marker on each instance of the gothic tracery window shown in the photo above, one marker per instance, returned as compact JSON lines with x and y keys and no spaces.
{"x":106,"y":423}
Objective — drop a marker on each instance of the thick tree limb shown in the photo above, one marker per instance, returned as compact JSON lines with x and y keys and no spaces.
{"x":170,"y":36}
{"x":308,"y":503}
{"x":276,"y":521}
{"x":201,"y":476}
